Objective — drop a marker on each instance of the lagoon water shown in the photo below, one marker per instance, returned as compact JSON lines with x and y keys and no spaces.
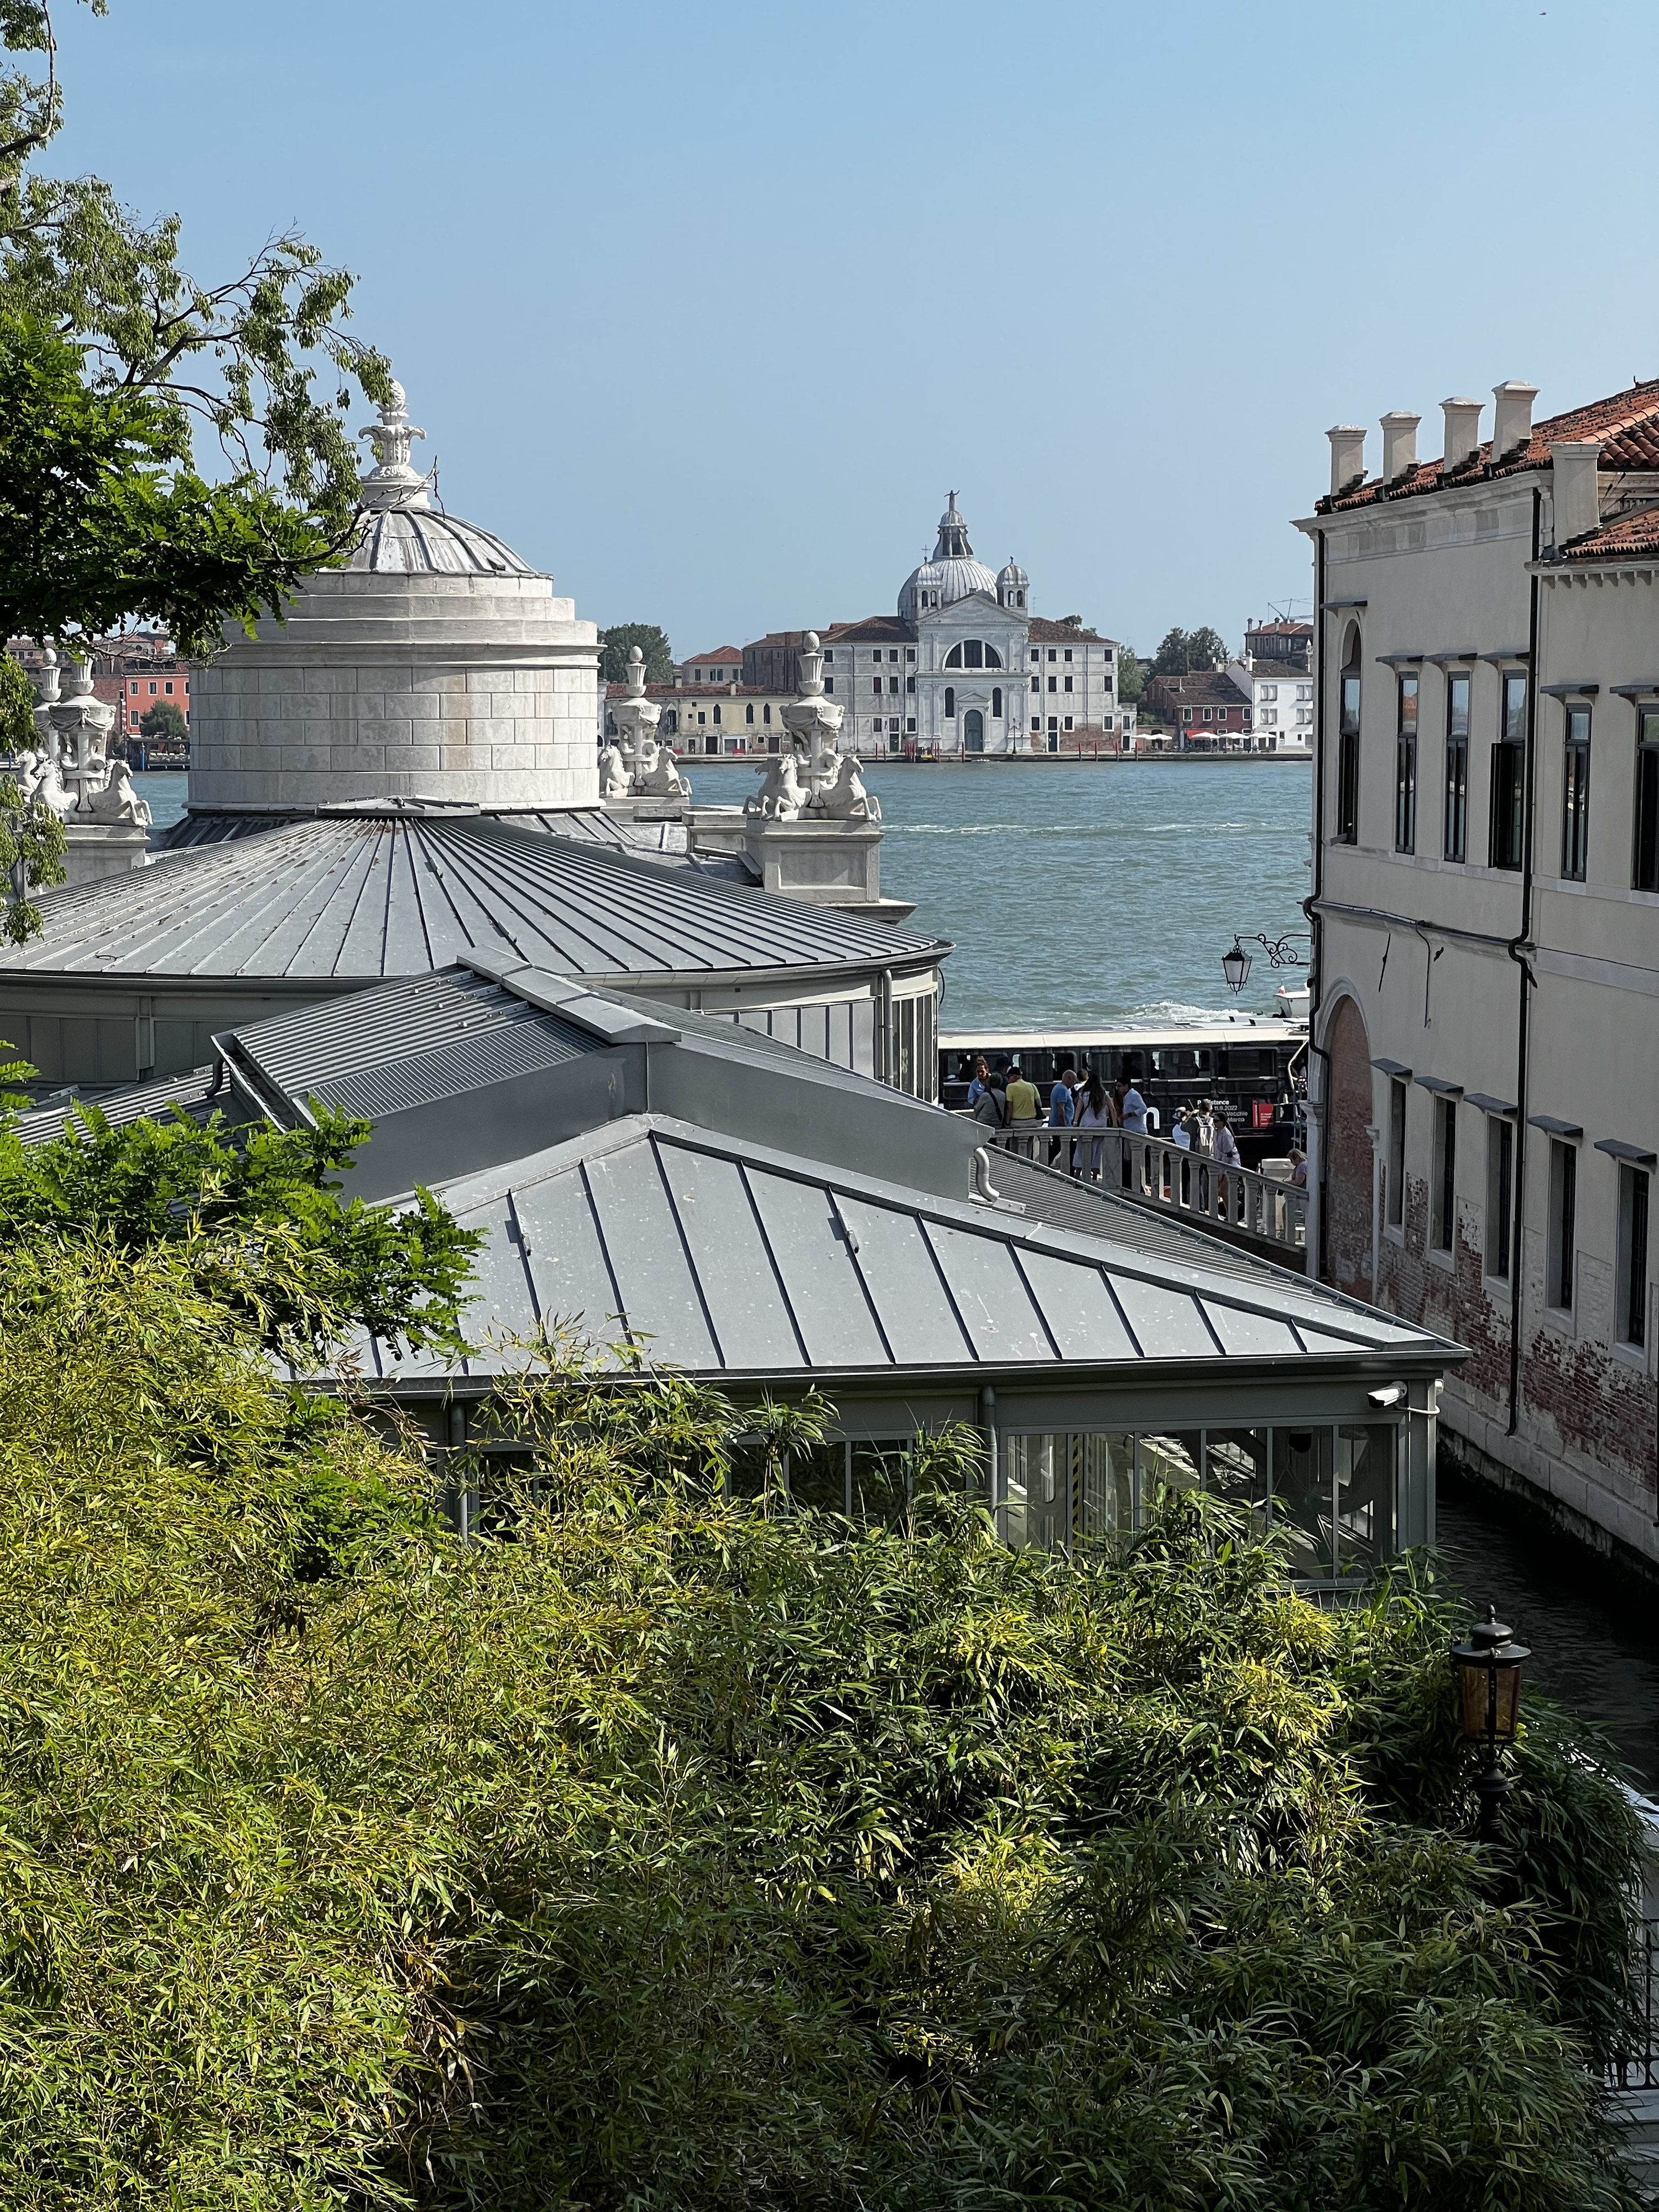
{"x":1080,"y":897}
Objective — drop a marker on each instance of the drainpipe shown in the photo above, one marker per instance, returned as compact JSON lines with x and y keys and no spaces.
{"x":1519,"y":947}
{"x":884,"y":1039}
{"x":1317,"y":1179}
{"x":1376,"y":1136}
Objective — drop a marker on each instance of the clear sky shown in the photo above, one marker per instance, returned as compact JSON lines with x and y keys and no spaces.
{"x":706,"y":308}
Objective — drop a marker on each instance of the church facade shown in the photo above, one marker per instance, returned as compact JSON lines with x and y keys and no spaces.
{"x":963,"y":667}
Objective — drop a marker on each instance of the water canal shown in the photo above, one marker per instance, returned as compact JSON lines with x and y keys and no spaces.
{"x":1101,"y":894}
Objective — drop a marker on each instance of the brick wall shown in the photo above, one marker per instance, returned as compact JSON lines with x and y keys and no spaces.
{"x":1346,"y":1242}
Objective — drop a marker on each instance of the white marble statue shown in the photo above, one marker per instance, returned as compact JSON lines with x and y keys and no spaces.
{"x":614,"y":781}
{"x":657,"y":773}
{"x":118,"y":801}
{"x":784,"y":795}
{"x":844,"y":797}
{"x":813,"y":720}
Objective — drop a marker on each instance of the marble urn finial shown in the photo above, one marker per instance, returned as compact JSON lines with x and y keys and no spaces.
{"x":813,"y":720}
{"x":393,"y":482}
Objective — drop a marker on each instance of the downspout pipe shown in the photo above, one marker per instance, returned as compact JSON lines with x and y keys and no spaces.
{"x":1310,"y":908}
{"x":1520,"y":949}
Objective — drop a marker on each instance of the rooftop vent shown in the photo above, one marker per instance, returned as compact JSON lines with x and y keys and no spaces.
{"x":1512,"y":425}
{"x":1347,"y":457}
{"x":1462,"y":433}
{"x":1399,"y":443}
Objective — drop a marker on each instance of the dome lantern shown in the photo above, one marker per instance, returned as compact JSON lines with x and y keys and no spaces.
{"x":953,"y":573}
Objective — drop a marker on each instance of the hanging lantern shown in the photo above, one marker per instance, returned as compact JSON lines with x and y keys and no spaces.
{"x":1488,"y":1669}
{"x":1236,"y":967}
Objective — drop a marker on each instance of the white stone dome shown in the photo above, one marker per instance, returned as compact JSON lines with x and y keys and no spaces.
{"x":1014,"y":577}
{"x":406,"y":541}
{"x":953,"y":573}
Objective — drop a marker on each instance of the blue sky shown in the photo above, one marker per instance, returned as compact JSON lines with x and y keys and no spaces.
{"x":706,"y":308}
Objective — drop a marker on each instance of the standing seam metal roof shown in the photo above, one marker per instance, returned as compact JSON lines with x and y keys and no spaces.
{"x":356,"y":898}
{"x":734,"y":1260}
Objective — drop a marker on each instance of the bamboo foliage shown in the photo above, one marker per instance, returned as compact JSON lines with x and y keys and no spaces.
{"x":660,"y":1851}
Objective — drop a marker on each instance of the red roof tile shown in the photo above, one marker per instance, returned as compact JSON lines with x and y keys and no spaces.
{"x":1627,"y":425}
{"x":723,"y":654}
{"x":1044,"y":632}
{"x":1636,"y":537}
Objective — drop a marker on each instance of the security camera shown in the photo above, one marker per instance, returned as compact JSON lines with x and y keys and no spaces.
{"x":1391,"y":1394}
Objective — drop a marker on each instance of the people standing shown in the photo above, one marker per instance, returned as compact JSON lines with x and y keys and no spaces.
{"x":982,"y":1071}
{"x":1298,"y":1169}
{"x":1024,"y":1102}
{"x":990,"y":1106}
{"x":1062,"y":1109}
{"x":1094,"y":1112}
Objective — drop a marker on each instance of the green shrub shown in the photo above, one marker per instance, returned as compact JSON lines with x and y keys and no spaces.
{"x":658,"y":1851}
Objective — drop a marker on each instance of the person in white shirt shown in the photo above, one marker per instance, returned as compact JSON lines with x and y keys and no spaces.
{"x":1133,"y":1109}
{"x":1226,"y":1145}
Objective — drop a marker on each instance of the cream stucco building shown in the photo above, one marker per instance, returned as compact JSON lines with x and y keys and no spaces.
{"x":1487,"y":912}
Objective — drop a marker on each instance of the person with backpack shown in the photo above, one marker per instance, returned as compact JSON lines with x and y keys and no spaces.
{"x":990,"y":1106}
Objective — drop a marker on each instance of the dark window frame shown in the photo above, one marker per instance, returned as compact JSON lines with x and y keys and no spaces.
{"x":1455,"y":841}
{"x":1396,"y":1166}
{"x":1644,"y":848}
{"x":1635,"y":1205}
{"x":1507,"y":832}
{"x":1559,"y":1272}
{"x":1405,"y":764}
{"x":1350,"y":705}
{"x":1500,"y":1197}
{"x":1442,"y":1195}
{"x":1574,"y":794}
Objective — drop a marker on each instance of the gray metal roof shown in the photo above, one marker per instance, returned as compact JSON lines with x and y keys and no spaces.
{"x":733,"y":1260}
{"x":351,"y":897}
{"x":376,"y":1052}
{"x":660,"y":841}
{"x":196,"y":1090}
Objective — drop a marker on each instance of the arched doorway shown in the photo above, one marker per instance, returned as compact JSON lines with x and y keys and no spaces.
{"x":1347,"y":1258}
{"x":973,"y":728}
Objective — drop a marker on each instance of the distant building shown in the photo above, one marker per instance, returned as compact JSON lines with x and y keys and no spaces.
{"x":1206,"y":709}
{"x":703,"y":716}
{"x":1282,"y":641}
{"x":1280,"y":696}
{"x":723,"y":665}
{"x":1486,"y":1073}
{"x":131,"y":671}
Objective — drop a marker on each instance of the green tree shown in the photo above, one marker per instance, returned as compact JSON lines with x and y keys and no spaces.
{"x":16,"y":708}
{"x":1131,"y":676}
{"x":162,"y":722}
{"x":307,"y":1266}
{"x":616,"y":643}
{"x":664,"y":1850}
{"x":1185,"y":653}
{"x":113,"y":361}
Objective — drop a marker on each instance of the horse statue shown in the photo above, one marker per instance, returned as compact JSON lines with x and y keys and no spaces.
{"x":783,"y":796}
{"x":843,"y":798}
{"x":614,"y":781}
{"x":657,"y":773}
{"x":118,"y":801}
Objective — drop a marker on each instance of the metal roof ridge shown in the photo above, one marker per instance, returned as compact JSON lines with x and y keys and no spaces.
{"x":1123,"y":1260}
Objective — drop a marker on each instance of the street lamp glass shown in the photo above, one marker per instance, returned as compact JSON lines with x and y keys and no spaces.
{"x":1235,"y":966}
{"x":1489,"y":1681}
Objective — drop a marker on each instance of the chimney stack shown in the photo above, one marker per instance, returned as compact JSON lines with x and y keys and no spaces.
{"x":1511,"y":421}
{"x":1462,"y":433}
{"x":1399,"y":443}
{"x":1347,"y":456}
{"x":1578,"y":488}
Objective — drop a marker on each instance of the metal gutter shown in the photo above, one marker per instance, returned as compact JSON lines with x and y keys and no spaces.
{"x":1519,"y":946}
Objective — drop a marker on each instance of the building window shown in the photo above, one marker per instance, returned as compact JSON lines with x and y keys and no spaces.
{"x":1563,"y":1223}
{"x":1207,"y":713}
{"x":1509,"y":778}
{"x":1633,"y":1194}
{"x":717,"y":717}
{"x":1456,"y":843}
{"x":1575,"y":795}
{"x":1053,"y":724}
{"x":135,"y":690}
{"x":1036,"y":683}
{"x":829,"y":686}
{"x":1500,"y":1194}
{"x":1347,"y":746}
{"x":749,"y":713}
{"x":909,"y":652}
{"x":878,"y":687}
{"x":910,"y":684}
{"x":1404,"y":769}
{"x":910,"y":725}
{"x":996,"y":706}
{"x":949,"y":704}
{"x":701,"y":717}
{"x":1068,"y":722}
{"x":1051,"y":653}
{"x":1442,"y":1210}
{"x":766,"y":714}
{"x":1054,"y":681}
{"x":829,"y":656}
{"x":973,"y":652}
{"x":1068,"y":680}
{"x":1644,"y":872}
{"x":1186,"y":713}
{"x":1396,"y":1190}
{"x":1069,"y":653}
{"x":152,"y":690}
{"x":168,"y":688}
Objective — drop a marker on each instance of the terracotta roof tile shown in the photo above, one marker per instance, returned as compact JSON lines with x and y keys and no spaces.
{"x":1636,"y":537}
{"x":722,"y":654}
{"x":1626,"y":424}
{"x":1044,"y":632}
{"x":882,"y":629}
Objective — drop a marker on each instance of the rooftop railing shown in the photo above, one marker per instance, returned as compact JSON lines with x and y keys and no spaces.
{"x":1237,"y":1203}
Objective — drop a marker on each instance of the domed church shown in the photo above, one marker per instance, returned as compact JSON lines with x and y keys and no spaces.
{"x":966,"y":666}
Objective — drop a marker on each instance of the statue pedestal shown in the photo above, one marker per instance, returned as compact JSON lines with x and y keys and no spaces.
{"x":97,"y":849}
{"x":822,"y":862}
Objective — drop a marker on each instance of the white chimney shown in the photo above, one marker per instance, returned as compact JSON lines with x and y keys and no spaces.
{"x":1347,"y":455}
{"x":1511,"y":421}
{"x":1578,"y":488}
{"x":1399,"y":443}
{"x":1462,"y":432}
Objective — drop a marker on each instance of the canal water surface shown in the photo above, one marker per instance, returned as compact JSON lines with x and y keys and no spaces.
{"x":1085,"y":895}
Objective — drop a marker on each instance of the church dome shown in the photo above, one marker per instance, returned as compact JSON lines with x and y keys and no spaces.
{"x":952,"y":574}
{"x":1014,"y":575}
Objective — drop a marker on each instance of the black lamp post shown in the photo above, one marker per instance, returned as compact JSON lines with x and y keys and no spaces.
{"x":1236,"y":964}
{"x":1488,"y":1670}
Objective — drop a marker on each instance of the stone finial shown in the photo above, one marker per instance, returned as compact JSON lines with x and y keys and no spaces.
{"x":636,"y":672}
{"x":812,"y":667}
{"x":392,"y":482}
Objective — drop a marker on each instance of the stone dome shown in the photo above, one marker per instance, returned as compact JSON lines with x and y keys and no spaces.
{"x":407,"y":541}
{"x":1014,"y":577}
{"x":953,"y":573}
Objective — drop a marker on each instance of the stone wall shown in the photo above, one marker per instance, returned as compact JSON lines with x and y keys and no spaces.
{"x":465,"y":688}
